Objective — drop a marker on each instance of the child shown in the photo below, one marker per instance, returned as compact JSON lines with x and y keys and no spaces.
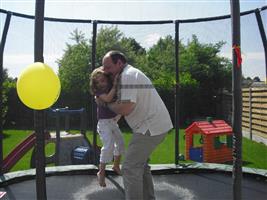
{"x":107,"y":127}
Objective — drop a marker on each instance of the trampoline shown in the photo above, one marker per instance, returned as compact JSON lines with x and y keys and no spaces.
{"x":194,"y":181}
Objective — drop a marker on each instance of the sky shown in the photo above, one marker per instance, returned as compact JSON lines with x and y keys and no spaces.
{"x":19,"y":45}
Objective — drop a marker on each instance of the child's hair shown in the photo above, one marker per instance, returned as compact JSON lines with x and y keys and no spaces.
{"x":93,"y":83}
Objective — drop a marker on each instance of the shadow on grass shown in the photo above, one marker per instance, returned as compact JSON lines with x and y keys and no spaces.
{"x":5,"y":135}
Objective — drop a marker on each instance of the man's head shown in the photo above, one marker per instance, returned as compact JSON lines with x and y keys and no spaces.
{"x":113,"y":62}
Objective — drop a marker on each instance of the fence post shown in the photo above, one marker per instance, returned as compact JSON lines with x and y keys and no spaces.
{"x":67,"y":120}
{"x":57,"y":153}
{"x":250,"y":113}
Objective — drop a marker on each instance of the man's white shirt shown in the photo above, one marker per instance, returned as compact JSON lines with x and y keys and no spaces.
{"x":150,"y":113}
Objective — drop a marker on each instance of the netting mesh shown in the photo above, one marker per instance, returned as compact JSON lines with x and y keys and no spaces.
{"x":59,"y":36}
{"x":19,"y":45}
{"x":252,"y":48}
{"x":56,"y":37}
{"x":147,"y":35}
{"x":20,"y":39}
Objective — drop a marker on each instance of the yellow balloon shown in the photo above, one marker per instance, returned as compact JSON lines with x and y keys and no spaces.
{"x":38,"y":86}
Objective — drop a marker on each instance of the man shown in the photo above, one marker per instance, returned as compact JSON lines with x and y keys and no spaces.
{"x":146,"y":114}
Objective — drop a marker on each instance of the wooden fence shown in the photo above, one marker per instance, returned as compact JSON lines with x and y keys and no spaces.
{"x":254,"y":115}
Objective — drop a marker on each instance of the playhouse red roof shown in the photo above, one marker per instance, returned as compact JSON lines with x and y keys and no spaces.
{"x":205,"y":127}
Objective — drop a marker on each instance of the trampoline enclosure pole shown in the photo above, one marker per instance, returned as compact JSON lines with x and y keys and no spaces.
{"x":93,"y":58}
{"x":177,"y":93}
{"x":237,"y":100}
{"x":263,"y":38}
{"x":2,"y":46}
{"x":39,"y":115}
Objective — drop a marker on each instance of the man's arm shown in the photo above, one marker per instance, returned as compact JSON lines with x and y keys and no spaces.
{"x":122,"y":108}
{"x":108,"y":97}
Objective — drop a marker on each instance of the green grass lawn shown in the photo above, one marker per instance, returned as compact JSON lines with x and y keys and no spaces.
{"x":254,"y":154}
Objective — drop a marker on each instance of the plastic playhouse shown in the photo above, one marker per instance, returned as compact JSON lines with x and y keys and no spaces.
{"x":209,"y":141}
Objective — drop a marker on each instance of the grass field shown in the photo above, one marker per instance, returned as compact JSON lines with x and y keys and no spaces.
{"x":254,"y":154}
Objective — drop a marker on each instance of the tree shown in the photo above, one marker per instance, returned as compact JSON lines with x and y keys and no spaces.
{"x":256,"y":79}
{"x":75,"y":64}
{"x":205,"y":65}
{"x":212,"y":71}
{"x":159,"y":65}
{"x":203,"y":74}
{"x":111,"y":38}
{"x":8,"y":85}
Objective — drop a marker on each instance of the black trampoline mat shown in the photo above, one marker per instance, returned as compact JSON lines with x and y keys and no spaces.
{"x":185,"y":186}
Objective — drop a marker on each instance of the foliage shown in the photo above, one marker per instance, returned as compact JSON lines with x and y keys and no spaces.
{"x":111,"y":38}
{"x":211,"y":71}
{"x":8,"y":85}
{"x":256,"y":79}
{"x":74,"y":65}
{"x":203,"y":73}
{"x":161,"y":58}
{"x":205,"y":65}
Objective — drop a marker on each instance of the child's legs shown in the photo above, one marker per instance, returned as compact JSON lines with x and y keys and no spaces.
{"x":101,"y":174}
{"x":119,"y":147}
{"x":105,"y":131}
